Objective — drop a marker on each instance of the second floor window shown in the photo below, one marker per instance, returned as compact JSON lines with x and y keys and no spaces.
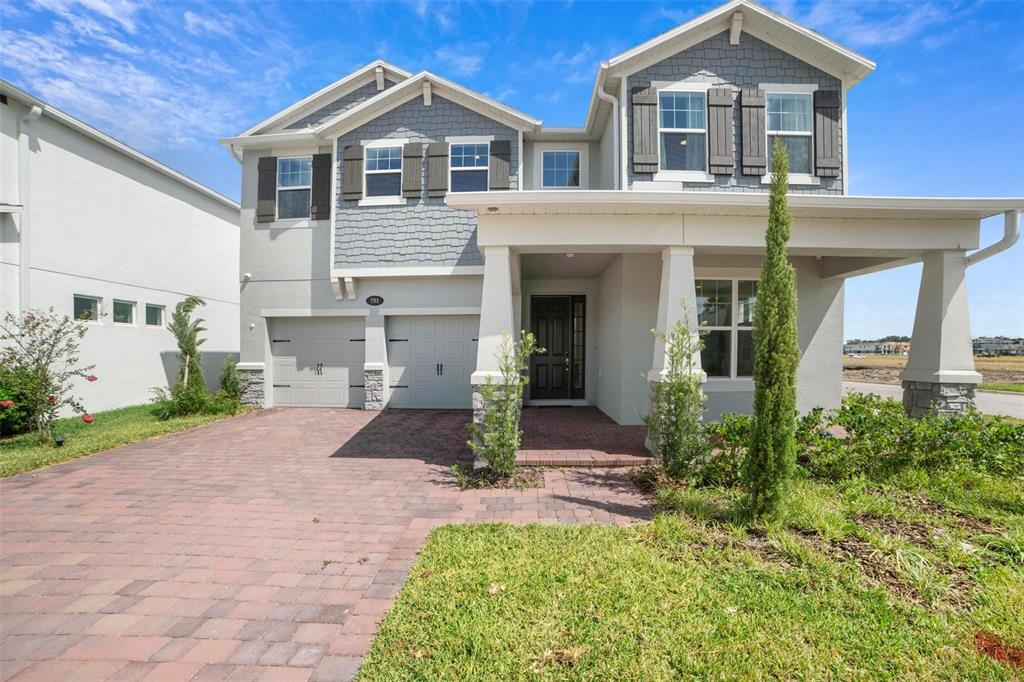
{"x":383,"y":171}
{"x":682,"y":130}
{"x":789,"y":119}
{"x":294,"y":183}
{"x":561,"y":169}
{"x":725,"y":313}
{"x":469,"y":163}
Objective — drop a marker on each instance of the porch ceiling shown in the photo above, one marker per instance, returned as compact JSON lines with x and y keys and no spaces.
{"x":559,"y":266}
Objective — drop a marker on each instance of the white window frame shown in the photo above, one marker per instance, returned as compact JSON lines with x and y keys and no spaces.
{"x":278,"y":189}
{"x":163,"y":311}
{"x":469,"y":139}
{"x":99,"y":308}
{"x":582,"y":149}
{"x":684,"y":175}
{"x":134,"y":311}
{"x":789,"y":89}
{"x":394,"y":199}
{"x":732,"y":381}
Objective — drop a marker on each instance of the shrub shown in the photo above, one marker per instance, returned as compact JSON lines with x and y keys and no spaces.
{"x":188,"y":395}
{"x":772,"y":456}
{"x":496,"y":438}
{"x":16,"y":414}
{"x":677,"y":404}
{"x":230,"y":383}
{"x":186,"y":333}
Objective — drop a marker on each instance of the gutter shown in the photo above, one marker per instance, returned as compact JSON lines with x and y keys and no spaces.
{"x":614,"y":101}
{"x":1011,"y":233}
{"x":24,"y":221}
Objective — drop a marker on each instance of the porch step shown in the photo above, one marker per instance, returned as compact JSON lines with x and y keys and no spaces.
{"x":580,"y":458}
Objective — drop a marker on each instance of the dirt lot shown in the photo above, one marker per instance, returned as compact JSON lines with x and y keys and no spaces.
{"x":885,"y":369}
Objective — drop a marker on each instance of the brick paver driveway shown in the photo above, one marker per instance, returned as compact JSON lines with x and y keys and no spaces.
{"x":264,"y":547}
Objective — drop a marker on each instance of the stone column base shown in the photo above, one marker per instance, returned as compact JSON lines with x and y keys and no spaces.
{"x":373,"y":382}
{"x":921,"y":398}
{"x":253,"y":386}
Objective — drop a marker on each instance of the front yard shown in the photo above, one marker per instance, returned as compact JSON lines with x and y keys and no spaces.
{"x":110,"y":430}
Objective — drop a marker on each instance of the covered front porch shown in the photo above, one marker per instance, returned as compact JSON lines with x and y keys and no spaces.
{"x":592,"y":273}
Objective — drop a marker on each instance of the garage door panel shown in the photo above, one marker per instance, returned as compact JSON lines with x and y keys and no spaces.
{"x":446,"y":340}
{"x":317,"y":362}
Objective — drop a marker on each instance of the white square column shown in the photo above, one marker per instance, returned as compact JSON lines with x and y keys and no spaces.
{"x":497,"y":316}
{"x":940,"y":373}
{"x":676,"y":302}
{"x":375,"y":362}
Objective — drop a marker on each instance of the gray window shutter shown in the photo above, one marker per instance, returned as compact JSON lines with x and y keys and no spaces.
{"x":437,"y":169}
{"x":645,"y":130}
{"x":720,"y":154}
{"x":755,"y":144}
{"x":320,"y":202}
{"x":266,"y":190}
{"x":412,"y":170}
{"x":501,"y":154}
{"x":352,"y":173}
{"x":826,"y":134}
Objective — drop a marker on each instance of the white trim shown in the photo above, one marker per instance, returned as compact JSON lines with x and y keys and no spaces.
{"x":790,"y":88}
{"x":685,"y":86}
{"x":386,"y":200}
{"x":334,"y":210}
{"x":845,"y":151}
{"x":795,"y":179}
{"x":278,"y":189}
{"x":250,"y":366}
{"x":539,"y":148}
{"x":99,"y":307}
{"x":683,"y":176}
{"x":409,"y":271}
{"x":134,"y":306}
{"x":395,"y":312}
{"x":289,"y":224}
{"x":734,"y":328}
{"x":736,"y":28}
{"x":163,"y":311}
{"x":384,"y":142}
{"x":314,"y":312}
{"x":693,"y":175}
{"x":11,"y":208}
{"x":469,"y":139}
{"x":520,"y":180}
{"x":624,"y":161}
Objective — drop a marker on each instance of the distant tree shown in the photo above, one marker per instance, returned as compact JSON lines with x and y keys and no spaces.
{"x":186,"y":333}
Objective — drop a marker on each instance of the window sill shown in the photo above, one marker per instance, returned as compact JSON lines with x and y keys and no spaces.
{"x":290,"y":222}
{"x":382,"y":201}
{"x":794,"y":179}
{"x":683,"y":176}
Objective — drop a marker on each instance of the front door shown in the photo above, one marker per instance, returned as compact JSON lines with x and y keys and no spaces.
{"x":558,"y":322}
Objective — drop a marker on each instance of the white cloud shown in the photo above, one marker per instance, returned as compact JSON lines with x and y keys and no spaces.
{"x":121,"y":12}
{"x":459,"y":60}
{"x":882,"y":23}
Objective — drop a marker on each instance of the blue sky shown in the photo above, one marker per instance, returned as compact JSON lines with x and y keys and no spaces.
{"x":943,"y":114}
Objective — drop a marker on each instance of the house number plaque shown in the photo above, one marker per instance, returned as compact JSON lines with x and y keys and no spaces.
{"x":374,"y":300}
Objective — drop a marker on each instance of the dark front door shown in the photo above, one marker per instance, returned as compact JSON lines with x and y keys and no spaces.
{"x":558,"y":322}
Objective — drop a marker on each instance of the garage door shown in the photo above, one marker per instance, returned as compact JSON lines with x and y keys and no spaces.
{"x":318,"y":362}
{"x":431,"y":360}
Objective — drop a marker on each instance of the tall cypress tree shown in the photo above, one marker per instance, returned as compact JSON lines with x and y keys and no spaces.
{"x":772,"y":454}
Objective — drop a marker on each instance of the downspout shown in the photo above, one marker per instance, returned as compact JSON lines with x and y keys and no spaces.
{"x":1011,"y":233}
{"x":614,"y":101}
{"x":25,"y":219}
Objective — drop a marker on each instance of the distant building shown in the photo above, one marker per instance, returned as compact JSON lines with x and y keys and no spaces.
{"x":998,"y":345}
{"x":877,"y":348}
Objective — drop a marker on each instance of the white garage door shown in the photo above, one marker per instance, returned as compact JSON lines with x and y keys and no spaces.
{"x":431,"y":360}
{"x":318,"y":362}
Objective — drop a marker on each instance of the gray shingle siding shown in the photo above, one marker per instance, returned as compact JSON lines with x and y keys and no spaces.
{"x":746,"y":65}
{"x":424,"y":231}
{"x":360,"y":94}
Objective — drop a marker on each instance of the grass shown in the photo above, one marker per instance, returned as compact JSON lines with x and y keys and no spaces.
{"x":854,"y":580}
{"x":1014,"y":388}
{"x":110,"y":430}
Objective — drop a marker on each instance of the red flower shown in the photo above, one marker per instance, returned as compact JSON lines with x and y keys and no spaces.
{"x":30,"y":318}
{"x":88,"y":418}
{"x":6,"y":403}
{"x":91,"y":377}
{"x":53,"y":401}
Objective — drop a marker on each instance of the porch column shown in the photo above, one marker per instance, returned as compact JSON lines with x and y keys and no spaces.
{"x":940,"y":372}
{"x":496,"y":319}
{"x":375,"y":362}
{"x":678,"y":299}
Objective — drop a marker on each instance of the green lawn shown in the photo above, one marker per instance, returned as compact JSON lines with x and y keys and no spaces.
{"x":111,"y":429}
{"x":1013,"y":388}
{"x":855,"y":581}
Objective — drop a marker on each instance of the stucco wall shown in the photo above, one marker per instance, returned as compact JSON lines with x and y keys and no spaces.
{"x":424,"y":231}
{"x":609,"y":340}
{"x":746,"y":65}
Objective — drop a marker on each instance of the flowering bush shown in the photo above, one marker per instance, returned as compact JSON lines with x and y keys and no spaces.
{"x":39,"y":360}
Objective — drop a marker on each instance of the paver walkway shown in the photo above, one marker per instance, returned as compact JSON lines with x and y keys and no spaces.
{"x":579,"y":437}
{"x":264,"y":547}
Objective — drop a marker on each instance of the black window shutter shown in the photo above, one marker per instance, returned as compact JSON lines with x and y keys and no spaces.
{"x":352,"y":173}
{"x":755,"y":144}
{"x":645,"y":130}
{"x":826,"y":134}
{"x":720,"y":154}
{"x":437,"y":169}
{"x":320,"y":202}
{"x":501,"y":154}
{"x":412,"y":170}
{"x":266,"y":190}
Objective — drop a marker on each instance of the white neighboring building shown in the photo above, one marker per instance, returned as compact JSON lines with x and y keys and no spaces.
{"x":86,"y":218}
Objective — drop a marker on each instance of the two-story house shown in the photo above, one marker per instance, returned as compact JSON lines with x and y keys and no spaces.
{"x":395,"y":226}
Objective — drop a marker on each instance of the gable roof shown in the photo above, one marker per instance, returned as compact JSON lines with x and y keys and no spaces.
{"x":87,"y":130}
{"x":328,"y":94}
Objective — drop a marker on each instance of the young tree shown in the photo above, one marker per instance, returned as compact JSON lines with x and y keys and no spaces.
{"x":186,"y":333}
{"x":772,"y":455}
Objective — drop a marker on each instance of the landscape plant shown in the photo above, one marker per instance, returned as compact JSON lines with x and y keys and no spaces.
{"x":674,"y":422}
{"x":39,"y":363}
{"x":496,"y":438}
{"x":771,"y":459}
{"x":230,"y":383}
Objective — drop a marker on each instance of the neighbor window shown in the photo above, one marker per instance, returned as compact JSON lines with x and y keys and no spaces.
{"x":294,"y":182}
{"x":561,"y":169}
{"x":725,"y":313}
{"x":124,"y":312}
{"x":383,"y":171}
{"x":789,"y":119}
{"x":154,"y":315}
{"x":469,"y":167}
{"x":87,"y":308}
{"x":682,"y":130}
